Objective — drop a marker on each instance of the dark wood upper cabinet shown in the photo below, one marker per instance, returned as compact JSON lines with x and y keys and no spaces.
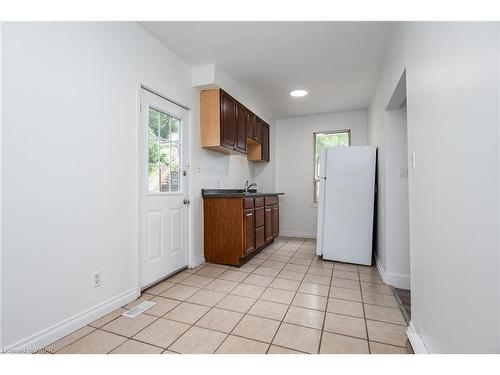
{"x":241,"y":121}
{"x":265,"y":143}
{"x":228,"y":121}
{"x":260,"y":151}
{"x":229,"y":127}
{"x":250,"y":125}
{"x":258,"y":130}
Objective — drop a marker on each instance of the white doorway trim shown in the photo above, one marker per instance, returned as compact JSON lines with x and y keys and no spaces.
{"x":190,"y":235}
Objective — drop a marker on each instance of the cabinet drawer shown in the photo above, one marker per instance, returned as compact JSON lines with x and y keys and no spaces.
{"x":259,"y":202}
{"x":268,"y":201}
{"x":259,"y":237}
{"x":259,"y":217}
{"x":247,"y":203}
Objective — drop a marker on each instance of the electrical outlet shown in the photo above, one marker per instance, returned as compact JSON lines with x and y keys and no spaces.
{"x":97,"y":281}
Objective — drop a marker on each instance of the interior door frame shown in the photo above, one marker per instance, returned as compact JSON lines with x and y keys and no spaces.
{"x":188,"y":192}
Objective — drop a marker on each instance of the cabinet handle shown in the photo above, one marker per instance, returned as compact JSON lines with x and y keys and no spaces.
{"x":250,"y":214}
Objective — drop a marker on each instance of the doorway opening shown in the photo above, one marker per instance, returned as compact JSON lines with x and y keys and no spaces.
{"x":397,"y":228}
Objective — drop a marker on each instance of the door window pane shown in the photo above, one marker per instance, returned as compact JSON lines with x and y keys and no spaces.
{"x":164,"y":149}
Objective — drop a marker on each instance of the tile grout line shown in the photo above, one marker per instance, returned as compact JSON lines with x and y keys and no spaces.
{"x":246,"y":313}
{"x":260,"y":263}
{"x":100,"y":328}
{"x":212,"y":307}
{"x":290,"y":305}
{"x":256,"y":300}
{"x":201,"y":317}
{"x":364,"y":315}
{"x":326,"y":310}
{"x":162,"y":316}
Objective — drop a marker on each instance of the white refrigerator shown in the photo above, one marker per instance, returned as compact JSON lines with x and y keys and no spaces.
{"x":345,"y":204}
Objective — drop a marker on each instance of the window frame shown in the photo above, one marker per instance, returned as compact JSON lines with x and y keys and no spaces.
{"x":315,"y":179}
{"x":181,"y":145}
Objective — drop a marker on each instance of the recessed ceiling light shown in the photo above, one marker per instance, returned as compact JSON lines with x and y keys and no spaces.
{"x":298,"y":93}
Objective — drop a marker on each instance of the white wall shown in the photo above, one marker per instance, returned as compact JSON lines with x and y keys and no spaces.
{"x":452,"y":116}
{"x":388,"y":82}
{"x":69,"y":95}
{"x":396,"y":267}
{"x":69,"y":100}
{"x":293,"y":154}
{"x":1,"y":184}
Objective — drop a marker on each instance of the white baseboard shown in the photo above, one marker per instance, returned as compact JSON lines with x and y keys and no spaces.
{"x":197,"y":261}
{"x":290,"y":233}
{"x":415,"y":340}
{"x":53,"y":333}
{"x":398,"y":281}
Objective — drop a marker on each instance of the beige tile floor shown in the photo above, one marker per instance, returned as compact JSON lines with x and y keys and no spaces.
{"x":284,"y":300}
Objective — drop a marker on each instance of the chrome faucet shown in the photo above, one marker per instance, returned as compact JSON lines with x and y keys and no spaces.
{"x":247,"y":187}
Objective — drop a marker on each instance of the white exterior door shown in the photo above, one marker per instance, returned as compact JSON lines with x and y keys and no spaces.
{"x":163,"y":216}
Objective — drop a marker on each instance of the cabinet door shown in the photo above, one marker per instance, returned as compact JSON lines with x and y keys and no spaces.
{"x":250,"y":125}
{"x":268,"y":226}
{"x":275,"y":222}
{"x":227,"y":121}
{"x":241,"y":120}
{"x":249,"y":227}
{"x":265,"y":142}
{"x":259,"y":237}
{"x":259,"y":217}
{"x":258,"y":130}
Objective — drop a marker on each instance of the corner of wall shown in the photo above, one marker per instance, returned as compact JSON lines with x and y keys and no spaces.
{"x":415,"y":339}
{"x":393,"y":279}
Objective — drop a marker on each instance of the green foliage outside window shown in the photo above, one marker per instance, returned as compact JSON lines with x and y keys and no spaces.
{"x":163,"y":151}
{"x":166,"y":127}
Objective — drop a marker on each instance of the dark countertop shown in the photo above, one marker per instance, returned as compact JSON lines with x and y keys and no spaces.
{"x":226,"y":193}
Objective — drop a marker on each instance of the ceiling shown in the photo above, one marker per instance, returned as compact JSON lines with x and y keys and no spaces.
{"x":337,"y":62}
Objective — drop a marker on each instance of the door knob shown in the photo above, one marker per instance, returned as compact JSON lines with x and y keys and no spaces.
{"x":186,"y":201}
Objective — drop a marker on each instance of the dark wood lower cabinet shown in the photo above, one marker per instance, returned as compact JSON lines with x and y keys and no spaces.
{"x":275,"y":220}
{"x":235,"y":230}
{"x":259,"y":217}
{"x":268,"y":225}
{"x":259,"y":237}
{"x":249,"y":231}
